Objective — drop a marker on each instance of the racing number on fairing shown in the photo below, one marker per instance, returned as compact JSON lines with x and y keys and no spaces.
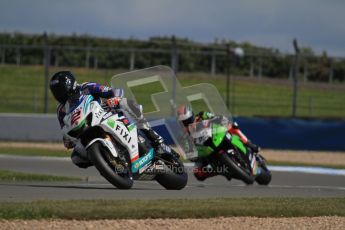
{"x":75,"y":116}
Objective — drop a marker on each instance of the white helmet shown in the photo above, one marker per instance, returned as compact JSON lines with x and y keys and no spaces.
{"x":185,"y":115}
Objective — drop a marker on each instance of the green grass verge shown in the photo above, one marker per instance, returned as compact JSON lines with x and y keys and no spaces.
{"x":34,"y":152}
{"x":249,"y":97}
{"x":29,"y":81}
{"x":7,"y":176}
{"x":174,"y":208}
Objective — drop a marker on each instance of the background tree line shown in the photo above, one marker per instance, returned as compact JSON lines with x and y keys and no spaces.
{"x":100,"y":52}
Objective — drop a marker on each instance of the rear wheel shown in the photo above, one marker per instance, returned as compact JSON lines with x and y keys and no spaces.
{"x":98,"y":155}
{"x":265,"y":176}
{"x":174,"y":176}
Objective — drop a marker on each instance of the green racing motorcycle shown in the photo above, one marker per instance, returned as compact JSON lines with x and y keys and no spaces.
{"x":225,"y":152}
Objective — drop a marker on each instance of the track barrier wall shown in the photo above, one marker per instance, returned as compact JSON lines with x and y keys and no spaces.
{"x":272,"y":133}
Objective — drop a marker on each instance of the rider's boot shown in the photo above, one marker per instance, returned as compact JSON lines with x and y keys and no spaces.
{"x":79,"y":156}
{"x":255,"y":149}
{"x":156,"y":140}
{"x":201,"y":174}
{"x":153,"y":137}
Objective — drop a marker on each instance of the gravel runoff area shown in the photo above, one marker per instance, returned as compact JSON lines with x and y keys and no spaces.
{"x":314,"y":223}
{"x":293,"y":156}
{"x":307,"y":157}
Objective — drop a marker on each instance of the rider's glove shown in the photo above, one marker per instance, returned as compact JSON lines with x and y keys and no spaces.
{"x":205,"y":115}
{"x":235,"y":125}
{"x":114,"y":102}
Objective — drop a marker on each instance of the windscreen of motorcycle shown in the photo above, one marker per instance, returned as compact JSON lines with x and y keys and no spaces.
{"x":160,"y":93}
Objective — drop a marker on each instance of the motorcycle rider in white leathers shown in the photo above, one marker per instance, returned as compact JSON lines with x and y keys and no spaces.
{"x":68,"y":93}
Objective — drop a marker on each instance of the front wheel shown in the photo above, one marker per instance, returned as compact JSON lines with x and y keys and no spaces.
{"x":174,"y":176}
{"x":236,"y":170}
{"x":98,"y":155}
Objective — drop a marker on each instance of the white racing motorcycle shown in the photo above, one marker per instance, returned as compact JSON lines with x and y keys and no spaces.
{"x":119,"y":151}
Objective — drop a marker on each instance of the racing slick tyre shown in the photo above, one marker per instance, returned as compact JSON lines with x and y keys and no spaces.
{"x":174,"y":176}
{"x":265,"y":176}
{"x":96,"y":153}
{"x":236,"y":170}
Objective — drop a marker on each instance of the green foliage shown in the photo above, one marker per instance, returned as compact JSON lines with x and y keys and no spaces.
{"x":23,"y":92}
{"x":173,"y":208}
{"x":255,"y":97}
{"x":192,"y":56}
{"x":34,"y":152}
{"x":23,"y":87}
{"x":6,"y":176}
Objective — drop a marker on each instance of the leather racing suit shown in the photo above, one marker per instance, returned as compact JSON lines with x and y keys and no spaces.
{"x":200,"y":164}
{"x":115,"y":99}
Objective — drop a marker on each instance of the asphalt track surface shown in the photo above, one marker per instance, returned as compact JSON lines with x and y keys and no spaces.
{"x":93,"y":186}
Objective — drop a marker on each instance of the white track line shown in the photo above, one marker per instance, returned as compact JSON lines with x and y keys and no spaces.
{"x":314,"y":170}
{"x":300,"y":169}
